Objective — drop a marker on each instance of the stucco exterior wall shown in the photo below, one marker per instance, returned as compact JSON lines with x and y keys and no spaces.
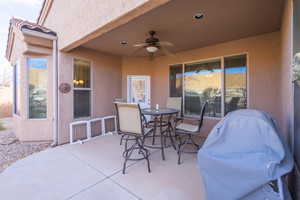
{"x":106,"y":85}
{"x":264,"y":71}
{"x":73,"y":20}
{"x":6,"y":99}
{"x":24,"y":128}
{"x":285,"y":70}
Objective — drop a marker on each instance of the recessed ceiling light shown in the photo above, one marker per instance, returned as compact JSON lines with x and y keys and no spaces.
{"x":199,"y":16}
{"x":124,"y":42}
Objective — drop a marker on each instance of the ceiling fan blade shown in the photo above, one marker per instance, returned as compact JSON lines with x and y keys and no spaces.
{"x":140,"y":45}
{"x":165,"y":43}
{"x":136,"y":50}
{"x":167,"y":52}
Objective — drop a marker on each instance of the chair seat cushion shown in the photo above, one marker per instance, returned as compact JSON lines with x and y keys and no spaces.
{"x":187,"y":127}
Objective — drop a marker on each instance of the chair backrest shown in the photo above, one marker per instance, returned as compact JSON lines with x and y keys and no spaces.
{"x":175,"y":103}
{"x":202,"y":115}
{"x":129,"y":118}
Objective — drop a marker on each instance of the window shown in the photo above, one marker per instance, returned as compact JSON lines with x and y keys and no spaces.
{"x":202,"y":81}
{"x":82,"y":88}
{"x":235,"y":68}
{"x":16,"y":88}
{"x":37,"y":89}
{"x":175,"y":81}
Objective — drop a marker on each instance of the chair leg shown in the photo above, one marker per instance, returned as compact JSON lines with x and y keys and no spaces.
{"x":121,"y":139}
{"x":165,"y":140}
{"x":153,"y":138}
{"x":162,"y":146}
{"x":128,"y":153}
{"x":180,"y":149}
{"x":193,"y":142}
{"x":126,"y":143}
{"x":139,"y":146}
{"x":153,"y":134}
{"x":126,"y":156}
{"x":171,"y":137}
{"x":146,"y":154}
{"x":179,"y":143}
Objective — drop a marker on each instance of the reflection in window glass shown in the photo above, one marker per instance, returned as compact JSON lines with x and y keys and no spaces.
{"x":176,"y":81}
{"x":81,"y":74}
{"x":37,"y":88}
{"x":82,"y":103}
{"x":203,"y":83}
{"x":138,"y":91}
{"x":235,"y":82}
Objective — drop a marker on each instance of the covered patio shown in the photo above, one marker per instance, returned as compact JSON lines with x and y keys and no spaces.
{"x":232,"y":54}
{"x":94,"y":170}
{"x":232,"y":57}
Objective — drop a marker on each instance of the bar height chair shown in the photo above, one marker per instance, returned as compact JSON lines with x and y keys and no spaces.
{"x":188,"y":130}
{"x":131,"y":124}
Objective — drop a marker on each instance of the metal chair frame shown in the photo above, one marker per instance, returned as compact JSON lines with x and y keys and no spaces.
{"x":138,"y":145}
{"x":188,"y":136}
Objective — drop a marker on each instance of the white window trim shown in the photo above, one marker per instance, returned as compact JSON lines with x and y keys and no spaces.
{"x":27,"y":89}
{"x":15,"y":88}
{"x":221,"y":58}
{"x":84,"y":89}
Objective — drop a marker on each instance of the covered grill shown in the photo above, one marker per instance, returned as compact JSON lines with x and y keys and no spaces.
{"x":242,"y":155}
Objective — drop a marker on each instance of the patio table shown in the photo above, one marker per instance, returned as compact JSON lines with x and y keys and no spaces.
{"x":158,"y":116}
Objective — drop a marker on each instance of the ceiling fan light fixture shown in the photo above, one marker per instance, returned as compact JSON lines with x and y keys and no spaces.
{"x":151,"y":49}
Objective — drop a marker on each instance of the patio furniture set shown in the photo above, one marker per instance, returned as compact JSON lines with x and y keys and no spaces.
{"x":136,"y":125}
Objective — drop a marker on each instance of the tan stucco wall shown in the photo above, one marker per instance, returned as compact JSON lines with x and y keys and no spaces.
{"x":285,"y":70}
{"x":263,"y":69}
{"x":6,"y":98}
{"x":75,"y":19}
{"x":24,"y":128}
{"x":106,"y":85}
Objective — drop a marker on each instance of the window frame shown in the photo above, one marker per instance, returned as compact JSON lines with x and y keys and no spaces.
{"x":221,"y":58}
{"x":182,"y":71}
{"x":82,"y":89}
{"x":27,"y":88}
{"x":15,"y":88}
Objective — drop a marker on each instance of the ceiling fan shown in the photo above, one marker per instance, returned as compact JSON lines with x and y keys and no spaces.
{"x":153,"y":44}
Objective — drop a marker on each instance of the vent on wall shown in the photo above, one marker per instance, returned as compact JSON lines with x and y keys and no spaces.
{"x":82,"y":131}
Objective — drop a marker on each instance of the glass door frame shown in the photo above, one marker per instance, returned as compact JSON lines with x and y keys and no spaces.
{"x":147,"y":78}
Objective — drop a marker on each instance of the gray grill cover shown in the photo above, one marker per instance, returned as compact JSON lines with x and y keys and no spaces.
{"x":241,"y":155}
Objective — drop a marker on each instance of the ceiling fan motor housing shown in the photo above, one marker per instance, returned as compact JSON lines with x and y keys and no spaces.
{"x":152,"y":40}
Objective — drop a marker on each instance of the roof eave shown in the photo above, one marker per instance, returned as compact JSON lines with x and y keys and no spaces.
{"x":9,"y":43}
{"x":44,"y":11}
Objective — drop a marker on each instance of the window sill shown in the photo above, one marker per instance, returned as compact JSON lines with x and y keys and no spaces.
{"x":33,"y":119}
{"x":205,"y":117}
{"x":82,"y":118}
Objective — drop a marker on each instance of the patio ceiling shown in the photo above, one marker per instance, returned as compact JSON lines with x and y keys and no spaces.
{"x":174,"y":22}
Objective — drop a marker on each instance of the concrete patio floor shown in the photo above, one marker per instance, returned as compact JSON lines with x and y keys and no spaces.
{"x":93,"y":170}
